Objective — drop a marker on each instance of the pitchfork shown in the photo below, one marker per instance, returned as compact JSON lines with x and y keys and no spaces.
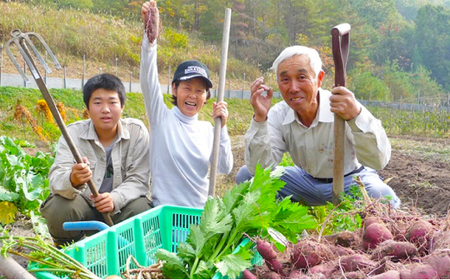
{"x":23,"y":43}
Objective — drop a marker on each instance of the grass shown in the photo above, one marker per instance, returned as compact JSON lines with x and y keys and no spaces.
{"x":437,"y":150}
{"x":434,"y":123}
{"x":240,"y":112}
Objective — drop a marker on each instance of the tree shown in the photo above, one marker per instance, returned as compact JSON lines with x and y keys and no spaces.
{"x":75,"y":4}
{"x":432,"y":38}
{"x":397,"y":81}
{"x":394,"y":35}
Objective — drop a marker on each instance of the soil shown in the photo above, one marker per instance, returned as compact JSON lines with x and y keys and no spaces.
{"x":421,"y":179}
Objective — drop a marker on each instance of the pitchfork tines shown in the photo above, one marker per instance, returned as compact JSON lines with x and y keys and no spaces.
{"x":23,"y":41}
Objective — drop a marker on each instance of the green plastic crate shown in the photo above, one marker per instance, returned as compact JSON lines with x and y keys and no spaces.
{"x":106,"y":252}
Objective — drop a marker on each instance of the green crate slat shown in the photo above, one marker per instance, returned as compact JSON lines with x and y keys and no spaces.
{"x":106,"y":252}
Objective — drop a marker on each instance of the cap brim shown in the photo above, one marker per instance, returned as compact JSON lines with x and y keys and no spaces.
{"x":188,"y":77}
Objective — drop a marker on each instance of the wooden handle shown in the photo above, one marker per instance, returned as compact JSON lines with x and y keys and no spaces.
{"x":60,"y":122}
{"x":343,"y":29}
{"x":12,"y":270}
{"x":218,"y":121}
{"x":340,"y":47}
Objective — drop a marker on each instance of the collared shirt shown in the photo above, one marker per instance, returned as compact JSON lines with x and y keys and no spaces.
{"x":312,"y":148}
{"x":129,"y":156}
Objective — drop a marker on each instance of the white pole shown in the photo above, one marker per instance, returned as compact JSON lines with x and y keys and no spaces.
{"x":84,"y":72}
{"x":218,"y":121}
{"x":1,"y":62}
{"x":116,"y":65}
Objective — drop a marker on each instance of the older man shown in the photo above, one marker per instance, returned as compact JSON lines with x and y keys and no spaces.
{"x":303,"y":126}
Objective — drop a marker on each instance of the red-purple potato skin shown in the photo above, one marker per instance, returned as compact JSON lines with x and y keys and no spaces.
{"x":266,"y":250}
{"x":307,"y":254}
{"x":397,"y":249}
{"x":355,"y":262}
{"x":247,"y":274}
{"x":275,"y":265}
{"x":375,"y":234}
{"x":440,"y":261}
{"x":423,"y":271}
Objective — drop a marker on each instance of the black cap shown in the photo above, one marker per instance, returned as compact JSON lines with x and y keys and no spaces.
{"x":192,"y":69}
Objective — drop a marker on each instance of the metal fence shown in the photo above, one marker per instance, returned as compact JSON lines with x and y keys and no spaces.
{"x":420,"y":103}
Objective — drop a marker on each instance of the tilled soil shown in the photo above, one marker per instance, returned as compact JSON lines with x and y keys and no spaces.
{"x":421,"y":181}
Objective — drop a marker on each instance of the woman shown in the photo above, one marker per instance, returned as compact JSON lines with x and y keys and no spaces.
{"x":181,"y":146}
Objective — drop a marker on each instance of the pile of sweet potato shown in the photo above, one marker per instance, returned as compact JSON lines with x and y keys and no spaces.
{"x":388,"y":246}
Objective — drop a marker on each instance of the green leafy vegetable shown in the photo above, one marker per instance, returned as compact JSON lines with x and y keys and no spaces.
{"x":251,"y":208}
{"x":23,"y":178}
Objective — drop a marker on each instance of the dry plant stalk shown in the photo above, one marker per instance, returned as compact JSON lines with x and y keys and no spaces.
{"x":153,"y":271}
{"x":21,"y":113}
{"x":62,"y":110}
{"x":42,"y":108}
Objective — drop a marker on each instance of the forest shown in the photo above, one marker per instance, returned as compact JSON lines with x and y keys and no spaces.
{"x":399,"y":48}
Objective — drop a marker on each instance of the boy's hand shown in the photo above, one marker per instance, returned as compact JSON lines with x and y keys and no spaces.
{"x":150,"y":17}
{"x":81,"y":173}
{"x":221,"y":110}
{"x":103,"y":202}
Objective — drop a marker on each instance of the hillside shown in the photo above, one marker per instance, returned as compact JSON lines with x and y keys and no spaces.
{"x":392,"y":57}
{"x":105,"y":40}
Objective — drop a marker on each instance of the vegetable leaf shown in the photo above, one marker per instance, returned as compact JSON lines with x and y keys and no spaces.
{"x":197,"y":239}
{"x":233,"y":264}
{"x":202,"y":271}
{"x":186,"y":251}
{"x":217,"y":221}
{"x":173,"y":265}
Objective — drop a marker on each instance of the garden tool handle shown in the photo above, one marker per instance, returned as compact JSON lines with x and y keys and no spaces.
{"x":68,"y":138}
{"x":57,"y":116}
{"x":13,"y":270}
{"x":221,"y":91}
{"x":340,"y":45}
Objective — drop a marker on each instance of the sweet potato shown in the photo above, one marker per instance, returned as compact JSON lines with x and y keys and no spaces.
{"x":344,"y":238}
{"x":308,"y":253}
{"x":440,"y":240}
{"x":440,"y":261}
{"x":275,"y":265}
{"x":390,"y":274}
{"x":371,"y":220}
{"x":342,"y":251}
{"x":396,"y":249}
{"x":420,"y":233}
{"x":324,"y":268}
{"x":354,"y":275}
{"x":423,"y":271}
{"x":405,"y":274}
{"x":152,"y":22}
{"x":374,"y":234}
{"x":266,"y":250}
{"x":271,"y":275}
{"x":247,"y":274}
{"x":355,"y":262}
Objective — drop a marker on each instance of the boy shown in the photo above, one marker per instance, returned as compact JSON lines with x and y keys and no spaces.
{"x":115,"y":154}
